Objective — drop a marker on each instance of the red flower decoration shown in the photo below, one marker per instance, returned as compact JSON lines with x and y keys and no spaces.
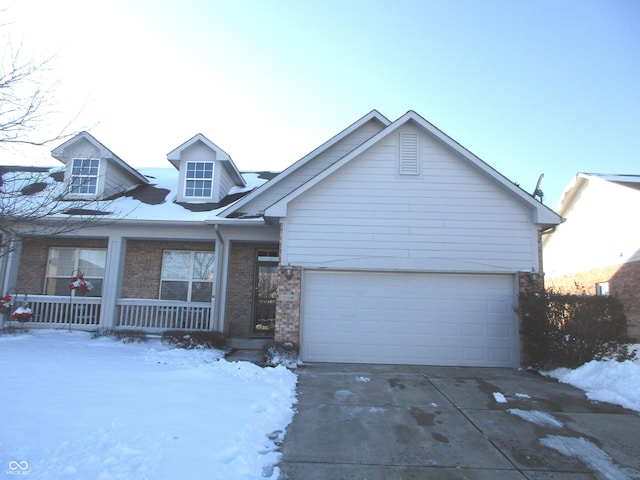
{"x":80,"y":283}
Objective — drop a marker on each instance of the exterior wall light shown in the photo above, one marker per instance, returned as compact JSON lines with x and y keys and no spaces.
{"x":533,"y":276}
{"x":288,"y":271}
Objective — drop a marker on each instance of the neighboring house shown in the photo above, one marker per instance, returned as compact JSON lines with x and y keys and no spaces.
{"x":389,"y":243}
{"x":597,"y":250}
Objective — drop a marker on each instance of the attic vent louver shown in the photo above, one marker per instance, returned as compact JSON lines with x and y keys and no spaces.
{"x":409,"y":158}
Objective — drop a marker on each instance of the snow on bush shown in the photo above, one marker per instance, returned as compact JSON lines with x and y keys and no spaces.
{"x":285,"y":355}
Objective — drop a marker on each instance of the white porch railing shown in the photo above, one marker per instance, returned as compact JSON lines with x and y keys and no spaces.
{"x":83,"y":313}
{"x":156,"y":315}
{"x":49,"y":310}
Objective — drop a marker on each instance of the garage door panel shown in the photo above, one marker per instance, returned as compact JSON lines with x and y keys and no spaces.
{"x":409,"y":318}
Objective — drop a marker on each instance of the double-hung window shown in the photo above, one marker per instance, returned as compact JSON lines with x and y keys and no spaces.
{"x":65,"y":263}
{"x":199,"y":179}
{"x":187,"y":276}
{"x":84,"y":176}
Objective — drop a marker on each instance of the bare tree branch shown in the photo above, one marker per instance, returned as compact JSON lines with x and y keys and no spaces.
{"x":35,"y":200}
{"x":26,"y":100}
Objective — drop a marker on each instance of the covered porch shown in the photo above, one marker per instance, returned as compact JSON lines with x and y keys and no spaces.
{"x":84,"y":313}
{"x":205,"y":279}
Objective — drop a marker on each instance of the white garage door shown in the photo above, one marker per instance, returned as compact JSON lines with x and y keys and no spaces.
{"x":404,"y":318}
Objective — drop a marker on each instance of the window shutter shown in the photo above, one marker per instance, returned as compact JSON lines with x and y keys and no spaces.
{"x":409,"y":158}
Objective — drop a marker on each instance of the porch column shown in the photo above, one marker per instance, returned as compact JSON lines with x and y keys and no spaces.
{"x":219,"y":282}
{"x":10,"y":263}
{"x":112,"y":283}
{"x":288,"y":305}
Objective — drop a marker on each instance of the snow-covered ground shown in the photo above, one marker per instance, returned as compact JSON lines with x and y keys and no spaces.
{"x":606,"y":381}
{"x":73,"y":407}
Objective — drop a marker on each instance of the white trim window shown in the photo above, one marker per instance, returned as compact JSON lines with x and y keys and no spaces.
{"x":198,"y":180}
{"x":84,"y":176}
{"x":187,"y":276}
{"x":64,"y":263}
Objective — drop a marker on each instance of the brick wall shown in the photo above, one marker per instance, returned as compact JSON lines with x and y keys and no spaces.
{"x":143,"y":265}
{"x":240,"y":288}
{"x":34,"y":257}
{"x":288,"y":306}
{"x":624,"y":283}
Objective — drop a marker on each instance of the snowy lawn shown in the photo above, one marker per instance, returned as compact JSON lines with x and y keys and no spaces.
{"x":73,"y":407}
{"x":606,"y":381}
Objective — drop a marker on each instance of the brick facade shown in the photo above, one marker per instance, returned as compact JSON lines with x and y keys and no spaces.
{"x":288,"y":306}
{"x":35,"y":255}
{"x":624,"y":283}
{"x":241,"y":284}
{"x":143,"y":265}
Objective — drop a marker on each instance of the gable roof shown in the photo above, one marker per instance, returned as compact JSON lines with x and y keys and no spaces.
{"x":221,"y":156}
{"x":581,"y":179}
{"x":544,"y":215}
{"x":372,"y":115}
{"x":103,"y":152}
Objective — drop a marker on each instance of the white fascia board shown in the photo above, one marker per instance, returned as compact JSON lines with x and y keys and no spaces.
{"x":570,"y":192}
{"x":544,"y":215}
{"x":240,"y":222}
{"x":581,"y":180}
{"x":374,"y":114}
{"x":174,"y":155}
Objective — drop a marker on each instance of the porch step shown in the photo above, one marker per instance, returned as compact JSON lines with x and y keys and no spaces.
{"x":249,"y":343}
{"x":253,"y":356}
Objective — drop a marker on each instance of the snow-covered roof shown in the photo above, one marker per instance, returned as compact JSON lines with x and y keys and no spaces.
{"x":154,"y":200}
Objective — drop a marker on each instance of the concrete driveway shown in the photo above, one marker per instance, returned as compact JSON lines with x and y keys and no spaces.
{"x":382,"y":422}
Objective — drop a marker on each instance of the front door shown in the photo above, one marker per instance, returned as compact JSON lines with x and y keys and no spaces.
{"x":264,"y":311}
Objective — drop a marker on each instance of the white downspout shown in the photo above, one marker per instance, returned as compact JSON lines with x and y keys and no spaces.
{"x":217,"y":298}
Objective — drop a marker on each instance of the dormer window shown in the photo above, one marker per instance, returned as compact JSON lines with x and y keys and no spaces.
{"x":199,"y":179}
{"x":207,"y":173}
{"x":84,"y":176}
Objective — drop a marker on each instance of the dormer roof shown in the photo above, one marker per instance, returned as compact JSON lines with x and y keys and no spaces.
{"x":175,"y":156}
{"x":94,"y":149}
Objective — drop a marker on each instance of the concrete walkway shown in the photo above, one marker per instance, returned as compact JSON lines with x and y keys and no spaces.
{"x":382,"y":422}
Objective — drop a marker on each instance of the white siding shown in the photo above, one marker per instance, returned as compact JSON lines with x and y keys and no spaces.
{"x":198,"y":152}
{"x":312,"y":168}
{"x":451,"y":217}
{"x":116,"y":180}
{"x":226,"y":183}
{"x":82,"y":149}
{"x":600,"y":230}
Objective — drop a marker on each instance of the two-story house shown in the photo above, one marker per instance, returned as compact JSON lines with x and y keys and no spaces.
{"x":388,"y":243}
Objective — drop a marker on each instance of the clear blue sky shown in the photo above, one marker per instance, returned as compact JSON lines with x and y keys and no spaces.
{"x":546,"y":86}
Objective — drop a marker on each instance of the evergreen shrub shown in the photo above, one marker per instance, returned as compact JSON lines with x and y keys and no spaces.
{"x":561,"y":330}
